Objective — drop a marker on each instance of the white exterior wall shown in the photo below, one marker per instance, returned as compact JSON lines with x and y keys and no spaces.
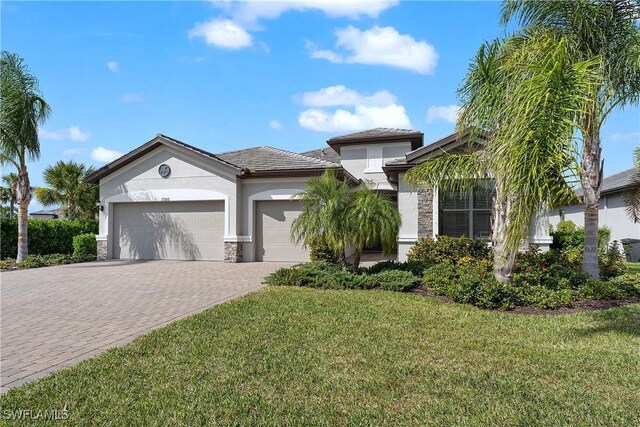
{"x":190,"y":180}
{"x":355,"y":160}
{"x":408,"y":207}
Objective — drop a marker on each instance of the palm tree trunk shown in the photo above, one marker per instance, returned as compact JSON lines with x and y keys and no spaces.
{"x":503,"y":259}
{"x":23,"y":198}
{"x":590,"y":180}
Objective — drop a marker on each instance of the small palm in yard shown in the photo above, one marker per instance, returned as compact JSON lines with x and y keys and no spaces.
{"x":345,"y":219}
{"x":67,"y":187}
{"x":8,"y":193}
{"x":22,"y":109}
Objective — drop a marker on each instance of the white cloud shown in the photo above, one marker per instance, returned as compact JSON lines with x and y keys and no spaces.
{"x":131,"y":97}
{"x":366,"y":111}
{"x":380,"y":46}
{"x":362,"y":117}
{"x":73,"y":133}
{"x":624,"y":136}
{"x":232,"y":32}
{"x":104,"y":155}
{"x":250,"y":12}
{"x":448,"y":113}
{"x":342,"y":95}
{"x":78,"y":135}
{"x":113,"y":66}
{"x":275,"y":125}
{"x":223,"y":33}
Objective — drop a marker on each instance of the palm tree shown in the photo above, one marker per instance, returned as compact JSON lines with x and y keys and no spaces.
{"x":605,"y":31}
{"x":523,"y":96}
{"x":372,"y":218}
{"x":8,"y":192}
{"x":22,"y":109}
{"x":345,"y":219}
{"x":325,"y":201}
{"x":67,"y":188}
{"x":632,"y":195}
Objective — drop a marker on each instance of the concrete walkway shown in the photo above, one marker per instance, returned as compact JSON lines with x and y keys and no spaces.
{"x":54,"y":317}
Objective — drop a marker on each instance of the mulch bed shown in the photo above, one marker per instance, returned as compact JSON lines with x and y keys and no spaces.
{"x":578,"y":306}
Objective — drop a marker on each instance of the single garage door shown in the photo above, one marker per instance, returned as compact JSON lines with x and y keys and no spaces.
{"x":273,"y":231}
{"x":168,"y":230}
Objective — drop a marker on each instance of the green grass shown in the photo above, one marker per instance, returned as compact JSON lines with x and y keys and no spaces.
{"x":633,"y":267}
{"x":296,"y":356}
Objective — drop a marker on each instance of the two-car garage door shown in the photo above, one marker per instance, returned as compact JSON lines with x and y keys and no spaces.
{"x":169,"y":230}
{"x":195,"y":231}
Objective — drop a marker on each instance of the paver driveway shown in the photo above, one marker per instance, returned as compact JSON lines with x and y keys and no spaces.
{"x":54,"y":317}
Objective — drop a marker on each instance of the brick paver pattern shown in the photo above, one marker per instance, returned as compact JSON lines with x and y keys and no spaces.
{"x":54,"y":317}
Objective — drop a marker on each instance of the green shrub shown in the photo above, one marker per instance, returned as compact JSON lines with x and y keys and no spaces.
{"x":36,"y":261}
{"x":448,"y":250}
{"x":439,"y":278}
{"x":85,"y":246}
{"x":319,"y":250}
{"x":413,"y":267}
{"x":392,"y":280}
{"x":569,"y":236}
{"x":542,"y":297}
{"x":45,"y":236}
{"x":623,"y":286}
{"x":612,"y":262}
{"x":324,"y":275}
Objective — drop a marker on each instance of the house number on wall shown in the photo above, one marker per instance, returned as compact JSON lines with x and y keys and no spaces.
{"x":164,"y":199}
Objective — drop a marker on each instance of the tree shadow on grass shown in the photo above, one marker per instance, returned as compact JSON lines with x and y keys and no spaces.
{"x":624,"y":320}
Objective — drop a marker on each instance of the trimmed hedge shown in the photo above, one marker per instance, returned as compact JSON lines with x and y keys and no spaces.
{"x":45,"y":236}
{"x":85,"y":246}
{"x":324,"y":275}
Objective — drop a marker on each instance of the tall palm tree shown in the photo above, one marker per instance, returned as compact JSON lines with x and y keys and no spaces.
{"x":345,"y":218}
{"x":605,"y":31}
{"x":632,"y":195}
{"x":524,"y":96}
{"x":67,"y":188}
{"x":22,"y":109}
{"x":8,"y":192}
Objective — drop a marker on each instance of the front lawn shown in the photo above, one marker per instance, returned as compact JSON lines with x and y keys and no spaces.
{"x":297,"y":356}
{"x":633,"y":267}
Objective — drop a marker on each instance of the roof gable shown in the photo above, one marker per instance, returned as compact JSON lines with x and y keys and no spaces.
{"x":378,"y":135}
{"x":159,"y":141}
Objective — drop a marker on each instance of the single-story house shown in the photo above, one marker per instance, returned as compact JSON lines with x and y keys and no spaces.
{"x":612,"y":212}
{"x":47,"y":214}
{"x":169,"y":200}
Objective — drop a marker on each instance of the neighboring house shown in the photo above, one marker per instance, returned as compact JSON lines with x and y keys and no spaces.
{"x":612,"y":212}
{"x":44,"y":214}
{"x":170,"y":200}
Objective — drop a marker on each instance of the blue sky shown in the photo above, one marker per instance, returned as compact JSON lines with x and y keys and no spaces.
{"x":229,"y":75}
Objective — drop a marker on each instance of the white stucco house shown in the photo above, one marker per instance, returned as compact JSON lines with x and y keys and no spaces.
{"x":612,"y":211}
{"x":169,"y":200}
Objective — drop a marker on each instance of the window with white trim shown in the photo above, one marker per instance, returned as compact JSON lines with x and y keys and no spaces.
{"x":466,"y":214}
{"x":374,"y":159}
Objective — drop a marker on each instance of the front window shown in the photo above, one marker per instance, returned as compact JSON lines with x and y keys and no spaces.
{"x":466,"y":214}
{"x":374,"y":159}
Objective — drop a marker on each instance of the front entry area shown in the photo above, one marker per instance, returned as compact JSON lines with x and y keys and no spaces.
{"x":168,"y":230}
{"x":273,"y":231}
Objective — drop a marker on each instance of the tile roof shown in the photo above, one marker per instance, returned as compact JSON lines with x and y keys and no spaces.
{"x":328,"y":154}
{"x":377,"y":133}
{"x":272,"y":159}
{"x":617,"y":182}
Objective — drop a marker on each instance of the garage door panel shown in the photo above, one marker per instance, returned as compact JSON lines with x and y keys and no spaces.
{"x":169,"y":230}
{"x":273,"y":231}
